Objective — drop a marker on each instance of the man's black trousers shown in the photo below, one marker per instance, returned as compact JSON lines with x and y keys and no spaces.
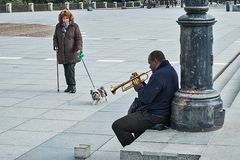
{"x":131,"y":126}
{"x":69,"y":70}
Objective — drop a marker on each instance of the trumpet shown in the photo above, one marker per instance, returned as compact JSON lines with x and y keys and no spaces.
{"x":129,"y":83}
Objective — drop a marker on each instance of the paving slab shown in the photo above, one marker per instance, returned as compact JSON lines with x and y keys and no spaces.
{"x":12,"y":151}
{"x":52,"y":153}
{"x":43,"y":125}
{"x":104,"y":128}
{"x":70,"y":140}
{"x":7,"y":123}
{"x":21,"y":112}
{"x":25,"y":138}
{"x":103,"y":155}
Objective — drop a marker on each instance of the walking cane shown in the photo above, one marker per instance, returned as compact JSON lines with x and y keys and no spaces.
{"x":80,"y":58}
{"x":57,"y":74}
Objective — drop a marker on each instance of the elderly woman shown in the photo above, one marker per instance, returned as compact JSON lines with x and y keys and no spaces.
{"x":67,"y":42}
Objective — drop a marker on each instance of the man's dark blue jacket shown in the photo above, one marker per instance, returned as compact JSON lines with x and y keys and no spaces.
{"x":158,"y":93}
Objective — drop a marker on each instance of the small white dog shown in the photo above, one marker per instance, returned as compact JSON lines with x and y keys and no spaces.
{"x":98,"y":95}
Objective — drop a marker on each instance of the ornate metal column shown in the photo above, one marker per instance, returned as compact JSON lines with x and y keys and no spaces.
{"x":124,"y":4}
{"x":196,"y":106}
{"x":89,"y":8}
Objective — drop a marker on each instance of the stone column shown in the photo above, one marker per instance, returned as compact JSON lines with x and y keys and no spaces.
{"x":105,"y":4}
{"x":196,"y":107}
{"x":9,"y":7}
{"x":31,"y":7}
{"x":94,"y":5}
{"x":50,"y":6}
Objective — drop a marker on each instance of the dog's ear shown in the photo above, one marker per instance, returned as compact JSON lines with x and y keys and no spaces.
{"x":105,"y":92}
{"x":99,"y":90}
{"x":91,"y":92}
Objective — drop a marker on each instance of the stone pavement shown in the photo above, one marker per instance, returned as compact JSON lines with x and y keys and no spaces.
{"x":38,"y":123}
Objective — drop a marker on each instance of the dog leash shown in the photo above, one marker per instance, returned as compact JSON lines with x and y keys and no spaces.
{"x":80,"y":58}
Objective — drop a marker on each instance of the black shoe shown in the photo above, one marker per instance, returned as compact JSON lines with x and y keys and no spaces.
{"x":68,"y":89}
{"x":160,"y":127}
{"x":72,"y":89}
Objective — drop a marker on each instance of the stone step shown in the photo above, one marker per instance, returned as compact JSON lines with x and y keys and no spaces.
{"x":228,"y":83}
{"x":174,"y":145}
{"x":226,"y":142}
{"x":225,"y":77}
{"x":231,"y":89}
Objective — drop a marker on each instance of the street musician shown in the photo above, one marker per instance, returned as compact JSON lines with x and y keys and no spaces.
{"x":153,"y":104}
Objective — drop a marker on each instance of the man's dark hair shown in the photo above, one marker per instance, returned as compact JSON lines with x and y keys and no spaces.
{"x":157,"y":55}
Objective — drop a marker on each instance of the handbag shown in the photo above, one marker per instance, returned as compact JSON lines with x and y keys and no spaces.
{"x":136,"y":106}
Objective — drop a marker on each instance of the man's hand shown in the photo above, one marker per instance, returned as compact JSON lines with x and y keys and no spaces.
{"x":55,"y":48}
{"x":137,"y":84}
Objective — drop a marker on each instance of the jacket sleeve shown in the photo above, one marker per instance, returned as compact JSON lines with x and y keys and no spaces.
{"x":147,"y":93}
{"x":78,"y":39}
{"x":55,"y":40}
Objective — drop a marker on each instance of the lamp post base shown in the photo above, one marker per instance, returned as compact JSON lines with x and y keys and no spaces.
{"x":197,"y":111}
{"x":89,"y":9}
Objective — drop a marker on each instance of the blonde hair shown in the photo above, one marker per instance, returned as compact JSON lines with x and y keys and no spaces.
{"x":66,"y":13}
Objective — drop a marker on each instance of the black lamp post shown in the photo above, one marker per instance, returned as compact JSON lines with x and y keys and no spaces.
{"x":89,"y":8}
{"x":196,"y":106}
{"x":181,"y":3}
{"x":124,"y":4}
{"x":167,"y":5}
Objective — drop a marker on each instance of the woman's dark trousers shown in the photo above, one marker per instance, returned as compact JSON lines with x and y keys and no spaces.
{"x":69,"y":70}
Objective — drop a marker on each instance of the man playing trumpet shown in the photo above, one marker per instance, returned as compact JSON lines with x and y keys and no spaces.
{"x":153,"y":105}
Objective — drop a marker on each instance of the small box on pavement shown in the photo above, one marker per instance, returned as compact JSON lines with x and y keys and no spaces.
{"x":82,"y":151}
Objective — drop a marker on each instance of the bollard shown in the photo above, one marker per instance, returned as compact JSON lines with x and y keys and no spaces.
{"x":67,"y":5}
{"x":131,"y":4}
{"x":140,"y":3}
{"x":50,"y":6}
{"x":82,"y":151}
{"x":115,"y":4}
{"x":94,"y":5}
{"x":227,"y":6}
{"x":80,"y":5}
{"x":105,"y":4}
{"x":31,"y":7}
{"x":9,"y":7}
